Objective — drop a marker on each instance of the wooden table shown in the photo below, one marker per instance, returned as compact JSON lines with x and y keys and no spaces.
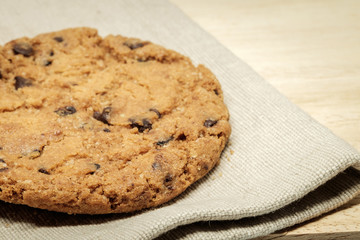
{"x":310,"y":51}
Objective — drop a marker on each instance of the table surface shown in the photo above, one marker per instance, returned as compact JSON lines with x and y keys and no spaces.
{"x":310,"y":51}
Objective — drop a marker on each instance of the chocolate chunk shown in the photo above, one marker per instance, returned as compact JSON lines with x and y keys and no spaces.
{"x":58,"y":39}
{"x":142,"y":60}
{"x":68,"y":110}
{"x":47,"y":63}
{"x":209,"y":123}
{"x":162,"y":143}
{"x":24,"y":49}
{"x":216,"y":91}
{"x":155,"y":111}
{"x":35,"y":153}
{"x":0,"y":75}
{"x":206,"y":167}
{"x":181,"y":137}
{"x":114,"y":202}
{"x":168,"y":180}
{"x":97,"y":166}
{"x":97,"y":116}
{"x":21,"y":82}
{"x":44,"y":171}
{"x":156,"y":166}
{"x":145,"y":124}
{"x":3,"y":165}
{"x":134,"y":45}
{"x":51,"y":53}
{"x":106,"y":130}
{"x":104,"y":116}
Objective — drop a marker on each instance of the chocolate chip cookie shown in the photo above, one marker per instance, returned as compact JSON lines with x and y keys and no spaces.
{"x":98,"y":125}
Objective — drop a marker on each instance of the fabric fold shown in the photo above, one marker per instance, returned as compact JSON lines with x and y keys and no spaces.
{"x":327,"y":197}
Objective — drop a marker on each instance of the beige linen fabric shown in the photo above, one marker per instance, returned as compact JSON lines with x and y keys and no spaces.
{"x":286,"y":168}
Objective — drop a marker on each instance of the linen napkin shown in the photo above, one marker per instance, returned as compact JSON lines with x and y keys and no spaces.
{"x":280,"y":168}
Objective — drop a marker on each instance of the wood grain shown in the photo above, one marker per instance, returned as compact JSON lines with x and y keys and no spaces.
{"x":310,"y":51}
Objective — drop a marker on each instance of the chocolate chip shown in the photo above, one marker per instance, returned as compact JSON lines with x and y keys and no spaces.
{"x":168,"y":180}
{"x":216,"y":92}
{"x":145,"y":124}
{"x":181,"y":137}
{"x":24,"y":49}
{"x":163,"y":142}
{"x":35,"y":153}
{"x":47,"y":63}
{"x":206,"y":167}
{"x":3,"y":165}
{"x":68,"y":110}
{"x":58,"y":39}
{"x":0,"y":75}
{"x":97,"y":116}
{"x":97,"y":166}
{"x":142,"y":60}
{"x":106,"y":130}
{"x":1,"y":148}
{"x":51,"y":53}
{"x":21,"y":82}
{"x":155,"y":111}
{"x":104,"y":116}
{"x":114,"y":202}
{"x":134,"y":45}
{"x":156,"y":166}
{"x":209,"y":123}
{"x":44,"y":171}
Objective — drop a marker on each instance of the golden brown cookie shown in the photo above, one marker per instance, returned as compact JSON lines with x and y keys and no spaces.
{"x":104,"y":125}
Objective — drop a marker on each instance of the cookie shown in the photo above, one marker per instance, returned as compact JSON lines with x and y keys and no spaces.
{"x":93,"y":125}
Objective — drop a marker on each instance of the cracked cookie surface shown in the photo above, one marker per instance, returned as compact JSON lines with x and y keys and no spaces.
{"x":104,"y":125}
